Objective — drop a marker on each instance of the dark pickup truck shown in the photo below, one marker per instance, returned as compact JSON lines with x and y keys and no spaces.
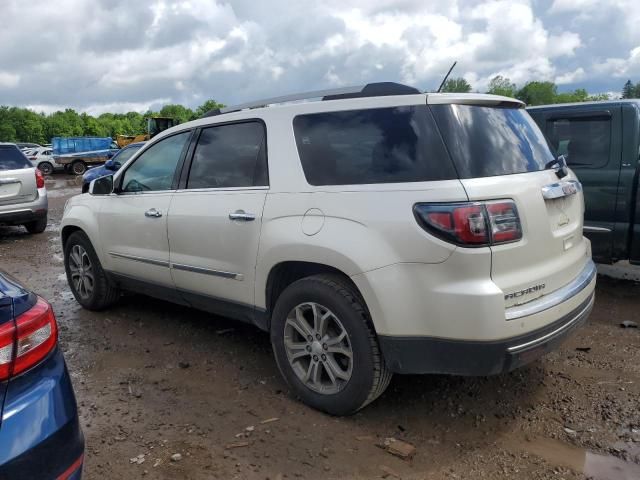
{"x":601,"y":143}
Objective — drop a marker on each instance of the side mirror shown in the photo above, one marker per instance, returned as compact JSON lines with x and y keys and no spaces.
{"x":101,"y":186}
{"x":109,"y":165}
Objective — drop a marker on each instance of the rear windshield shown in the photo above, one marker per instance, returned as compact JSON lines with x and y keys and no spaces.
{"x":380,"y":145}
{"x":12,"y":159}
{"x":487,"y":141}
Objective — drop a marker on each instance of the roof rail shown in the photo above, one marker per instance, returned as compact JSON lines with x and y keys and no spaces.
{"x":380,"y":89}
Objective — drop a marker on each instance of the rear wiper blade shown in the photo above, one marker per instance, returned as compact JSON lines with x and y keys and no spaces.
{"x":559,"y":165}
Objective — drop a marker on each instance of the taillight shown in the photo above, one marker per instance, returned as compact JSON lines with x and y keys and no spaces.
{"x":7,"y":341}
{"x":39,"y":179}
{"x":24,"y":345}
{"x":477,"y":224}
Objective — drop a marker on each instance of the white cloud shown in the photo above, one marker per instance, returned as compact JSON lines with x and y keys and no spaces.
{"x":117,"y":54}
{"x":570,"y":77}
{"x":9,"y":80}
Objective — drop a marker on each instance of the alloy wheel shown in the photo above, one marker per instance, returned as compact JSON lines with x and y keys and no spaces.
{"x":81,"y":271}
{"x":318,"y":348}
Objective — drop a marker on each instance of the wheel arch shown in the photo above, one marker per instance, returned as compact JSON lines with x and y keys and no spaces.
{"x":284,"y":273}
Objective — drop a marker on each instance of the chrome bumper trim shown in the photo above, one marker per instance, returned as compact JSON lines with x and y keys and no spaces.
{"x":576,"y":319}
{"x":554,"y":298}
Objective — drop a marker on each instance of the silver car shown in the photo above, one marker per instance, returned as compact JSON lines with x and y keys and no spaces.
{"x":23,"y":196}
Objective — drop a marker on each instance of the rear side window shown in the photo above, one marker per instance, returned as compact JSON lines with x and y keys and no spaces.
{"x":487,"y":141}
{"x":584,"y":141}
{"x":231,"y":155}
{"x":11,"y":158}
{"x":381,"y":145}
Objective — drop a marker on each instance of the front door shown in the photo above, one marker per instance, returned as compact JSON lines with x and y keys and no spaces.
{"x":215,"y":220}
{"x":133,"y":221}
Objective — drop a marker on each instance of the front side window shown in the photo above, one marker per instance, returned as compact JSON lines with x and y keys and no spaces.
{"x":230,"y":156}
{"x":380,"y":145}
{"x":155,"y":168}
{"x":123,"y":155}
{"x":584,"y":141}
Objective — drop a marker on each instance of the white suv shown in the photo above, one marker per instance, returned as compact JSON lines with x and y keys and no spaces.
{"x":376,"y":230}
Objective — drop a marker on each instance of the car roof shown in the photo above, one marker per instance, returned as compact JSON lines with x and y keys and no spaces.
{"x":384,"y":94}
{"x":604,"y":103}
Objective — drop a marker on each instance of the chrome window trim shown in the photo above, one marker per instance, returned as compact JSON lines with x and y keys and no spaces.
{"x":221,"y":189}
{"x":532,"y":343}
{"x":582,"y":281}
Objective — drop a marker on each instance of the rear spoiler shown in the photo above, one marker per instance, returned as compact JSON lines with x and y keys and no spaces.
{"x":473,"y":99}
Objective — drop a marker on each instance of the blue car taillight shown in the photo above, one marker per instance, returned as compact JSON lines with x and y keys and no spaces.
{"x":29,"y":341}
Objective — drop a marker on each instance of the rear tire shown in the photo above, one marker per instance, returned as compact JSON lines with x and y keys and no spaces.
{"x":78,"y":167}
{"x":343,"y":349}
{"x":85,"y":276}
{"x":46,"y":168}
{"x":37,"y":226}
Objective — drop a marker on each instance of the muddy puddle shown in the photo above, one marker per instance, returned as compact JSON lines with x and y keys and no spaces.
{"x":592,"y":465}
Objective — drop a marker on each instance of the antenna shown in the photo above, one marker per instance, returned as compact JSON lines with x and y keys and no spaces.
{"x":445,"y":77}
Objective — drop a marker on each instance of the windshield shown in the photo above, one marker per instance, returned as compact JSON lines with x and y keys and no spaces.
{"x":486,"y":141}
{"x":12,"y":159}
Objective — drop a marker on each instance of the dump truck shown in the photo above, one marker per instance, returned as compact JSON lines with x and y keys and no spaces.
{"x":75,"y":154}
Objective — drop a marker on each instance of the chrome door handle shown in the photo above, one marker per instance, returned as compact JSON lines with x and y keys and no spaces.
{"x":153,"y":213}
{"x":242,"y":215}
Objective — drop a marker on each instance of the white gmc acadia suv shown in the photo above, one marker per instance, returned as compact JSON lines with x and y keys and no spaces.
{"x":377,"y":230}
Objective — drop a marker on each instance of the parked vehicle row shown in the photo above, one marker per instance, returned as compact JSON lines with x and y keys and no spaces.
{"x":393,"y":232}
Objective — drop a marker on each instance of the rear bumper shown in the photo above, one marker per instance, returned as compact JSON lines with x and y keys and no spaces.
{"x":21,"y":213}
{"x":40,"y":434}
{"x":421,"y":355}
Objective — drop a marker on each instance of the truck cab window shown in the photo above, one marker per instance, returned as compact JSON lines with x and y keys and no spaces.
{"x":585,"y":142}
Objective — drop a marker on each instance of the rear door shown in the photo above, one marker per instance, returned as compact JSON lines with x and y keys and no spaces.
{"x":216,"y":217}
{"x":17,"y":177}
{"x":500,"y":153}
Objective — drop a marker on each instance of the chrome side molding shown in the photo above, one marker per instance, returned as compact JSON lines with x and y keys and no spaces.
{"x":561,"y":189}
{"x":180,"y":266}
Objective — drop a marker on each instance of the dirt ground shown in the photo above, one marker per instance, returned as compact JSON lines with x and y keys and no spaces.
{"x":154,"y":380}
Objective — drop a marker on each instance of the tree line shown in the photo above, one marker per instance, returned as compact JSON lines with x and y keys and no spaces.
{"x":24,"y":125}
{"x":532,"y":93}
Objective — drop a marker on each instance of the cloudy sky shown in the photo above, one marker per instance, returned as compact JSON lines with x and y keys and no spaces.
{"x":120,"y":55}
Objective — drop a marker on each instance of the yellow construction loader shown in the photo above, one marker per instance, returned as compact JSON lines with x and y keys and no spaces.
{"x":155,"y":125}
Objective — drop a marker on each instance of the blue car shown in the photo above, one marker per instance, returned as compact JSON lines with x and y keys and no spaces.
{"x":40,"y":434}
{"x":112,"y":165}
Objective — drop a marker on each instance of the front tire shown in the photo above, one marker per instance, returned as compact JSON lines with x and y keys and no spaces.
{"x":85,"y":276}
{"x":325,"y":345}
